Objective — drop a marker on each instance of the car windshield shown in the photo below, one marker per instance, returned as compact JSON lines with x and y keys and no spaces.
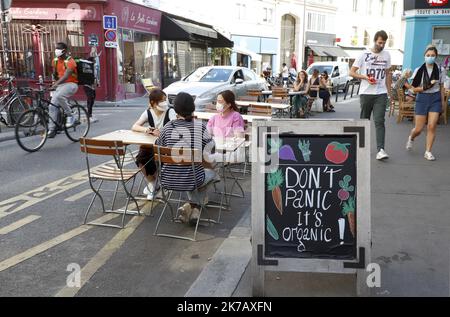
{"x":321,"y":69}
{"x":210,"y":75}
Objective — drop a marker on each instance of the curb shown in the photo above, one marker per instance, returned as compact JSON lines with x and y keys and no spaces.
{"x":221,"y":276}
{"x":7,"y":136}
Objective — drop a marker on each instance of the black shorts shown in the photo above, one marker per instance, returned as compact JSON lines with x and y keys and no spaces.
{"x":146,"y":157}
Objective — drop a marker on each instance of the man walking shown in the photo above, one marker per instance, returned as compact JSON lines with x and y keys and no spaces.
{"x":66,"y":85}
{"x":376,"y":79}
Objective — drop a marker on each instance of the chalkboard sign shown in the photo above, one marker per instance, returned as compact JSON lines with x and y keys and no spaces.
{"x":310,"y":197}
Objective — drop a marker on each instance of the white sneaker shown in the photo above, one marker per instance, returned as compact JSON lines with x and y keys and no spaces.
{"x":429,"y":156}
{"x":151,"y":196}
{"x":382,"y":155}
{"x":93,"y":119}
{"x":409,"y":144}
{"x":70,"y":120}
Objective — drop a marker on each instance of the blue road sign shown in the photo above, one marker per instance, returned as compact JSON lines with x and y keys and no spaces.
{"x":110,"y":22}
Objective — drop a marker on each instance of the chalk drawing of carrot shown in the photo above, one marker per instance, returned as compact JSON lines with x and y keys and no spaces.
{"x":274,"y":181}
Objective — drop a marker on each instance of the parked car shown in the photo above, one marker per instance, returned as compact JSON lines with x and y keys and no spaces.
{"x":205,"y":83}
{"x":339,"y":72}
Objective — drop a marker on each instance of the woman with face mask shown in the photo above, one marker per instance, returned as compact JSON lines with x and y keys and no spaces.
{"x":228,"y":122}
{"x":157,"y":116}
{"x":428,"y":83}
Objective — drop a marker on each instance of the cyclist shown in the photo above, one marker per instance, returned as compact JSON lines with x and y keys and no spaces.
{"x":66,"y":85}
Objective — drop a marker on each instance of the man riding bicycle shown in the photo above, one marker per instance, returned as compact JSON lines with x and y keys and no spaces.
{"x":66,"y":85}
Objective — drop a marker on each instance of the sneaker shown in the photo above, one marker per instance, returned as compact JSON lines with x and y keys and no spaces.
{"x":429,"y":156}
{"x":409,"y":144}
{"x":51,"y":134}
{"x":147,"y":190}
{"x":151,"y":196}
{"x":70,"y":120}
{"x":382,"y":155}
{"x":93,"y":119}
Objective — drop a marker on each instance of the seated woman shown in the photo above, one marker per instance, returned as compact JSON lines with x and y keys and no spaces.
{"x":157,"y":115}
{"x":313,"y":84}
{"x":299,"y":102}
{"x":324,"y":93}
{"x":188,"y":133}
{"x":228,"y":123}
{"x":403,"y":83}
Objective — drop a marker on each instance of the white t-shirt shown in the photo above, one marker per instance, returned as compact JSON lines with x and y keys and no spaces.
{"x":285,"y":72}
{"x":437,"y":86}
{"x":159,"y":120}
{"x":376,"y":64}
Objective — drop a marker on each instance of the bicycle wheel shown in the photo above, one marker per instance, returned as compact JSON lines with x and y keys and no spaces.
{"x":80,"y":128}
{"x":17,"y":106}
{"x":31,"y":130}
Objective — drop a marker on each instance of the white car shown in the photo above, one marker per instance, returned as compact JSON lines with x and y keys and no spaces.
{"x":205,"y":83}
{"x":338,"y":72}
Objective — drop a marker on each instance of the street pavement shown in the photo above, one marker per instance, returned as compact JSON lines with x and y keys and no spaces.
{"x":43,"y":197}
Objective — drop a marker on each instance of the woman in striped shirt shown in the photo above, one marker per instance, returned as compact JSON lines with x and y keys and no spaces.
{"x":185,"y":132}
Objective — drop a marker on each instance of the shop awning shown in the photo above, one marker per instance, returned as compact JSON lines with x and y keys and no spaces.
{"x":331,"y":51}
{"x":254,"y":56}
{"x":179,"y":29}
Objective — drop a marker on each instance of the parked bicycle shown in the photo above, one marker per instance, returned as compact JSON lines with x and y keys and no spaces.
{"x":13,"y":102}
{"x":32,"y":126}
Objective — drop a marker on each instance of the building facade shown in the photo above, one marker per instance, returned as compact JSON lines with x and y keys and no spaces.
{"x":427,"y":22}
{"x":266,"y":32}
{"x":359,"y":20}
{"x":151,"y":45}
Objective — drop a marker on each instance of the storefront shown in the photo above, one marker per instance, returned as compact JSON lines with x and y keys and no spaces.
{"x":187,"y":45}
{"x":153,"y":46}
{"x":320,"y":47}
{"x":426,"y":22}
{"x":35,"y":27}
{"x":256,"y":53}
{"x":137,"y":56}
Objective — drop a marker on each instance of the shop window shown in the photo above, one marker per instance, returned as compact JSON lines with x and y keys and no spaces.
{"x":287,"y":37}
{"x":32,"y":45}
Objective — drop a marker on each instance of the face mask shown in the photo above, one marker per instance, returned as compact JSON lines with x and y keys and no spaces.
{"x":163,"y":106}
{"x":430,"y":60}
{"x":220,"y":107}
{"x":58,"y":52}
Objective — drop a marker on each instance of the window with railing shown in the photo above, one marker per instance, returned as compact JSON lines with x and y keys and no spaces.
{"x":31,"y":45}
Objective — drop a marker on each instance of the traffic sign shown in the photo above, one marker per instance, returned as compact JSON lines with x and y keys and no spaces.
{"x":111,"y":44}
{"x":111,"y":35}
{"x":110,"y":22}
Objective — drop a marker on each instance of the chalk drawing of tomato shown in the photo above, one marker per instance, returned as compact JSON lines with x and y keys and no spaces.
{"x":337,"y":153}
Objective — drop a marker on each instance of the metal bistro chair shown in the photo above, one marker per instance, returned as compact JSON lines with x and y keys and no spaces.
{"x":178,"y":157}
{"x":445,"y":113}
{"x":109,"y":173}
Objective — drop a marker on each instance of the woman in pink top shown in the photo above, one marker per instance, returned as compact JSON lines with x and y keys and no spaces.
{"x":228,"y":123}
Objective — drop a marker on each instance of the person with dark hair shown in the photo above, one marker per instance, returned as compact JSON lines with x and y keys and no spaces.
{"x":324,"y":93}
{"x":285,"y":73}
{"x":299,"y":101}
{"x":185,"y":132}
{"x":428,"y":83}
{"x":228,"y":122}
{"x":374,"y":66}
{"x":157,"y":115}
{"x":89,"y":90}
{"x":65,"y":85}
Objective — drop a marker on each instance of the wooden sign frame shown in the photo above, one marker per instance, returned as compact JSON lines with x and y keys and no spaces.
{"x":260,"y":264}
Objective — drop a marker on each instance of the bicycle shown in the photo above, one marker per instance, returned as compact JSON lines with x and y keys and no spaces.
{"x":31,"y":129}
{"x":13,"y":103}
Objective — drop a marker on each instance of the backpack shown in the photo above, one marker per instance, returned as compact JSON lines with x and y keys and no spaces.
{"x":85,"y":70}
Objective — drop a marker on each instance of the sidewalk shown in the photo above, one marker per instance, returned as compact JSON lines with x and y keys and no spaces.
{"x":410,"y":229}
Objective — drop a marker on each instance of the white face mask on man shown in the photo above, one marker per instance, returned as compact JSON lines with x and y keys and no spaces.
{"x":163,"y":106}
{"x":59,"y":53}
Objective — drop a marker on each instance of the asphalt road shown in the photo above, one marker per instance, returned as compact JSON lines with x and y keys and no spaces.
{"x":43,"y":197}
